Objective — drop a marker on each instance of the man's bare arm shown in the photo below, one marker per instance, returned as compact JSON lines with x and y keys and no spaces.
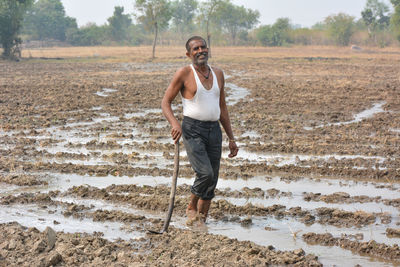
{"x":224,"y":117}
{"x":172,"y":91}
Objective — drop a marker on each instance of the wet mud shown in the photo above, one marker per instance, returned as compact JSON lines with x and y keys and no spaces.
{"x":21,"y":180}
{"x":86,"y":163}
{"x":177,"y":247}
{"x":371,"y":248}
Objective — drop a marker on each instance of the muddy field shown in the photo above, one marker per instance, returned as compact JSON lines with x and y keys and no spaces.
{"x":86,"y":160}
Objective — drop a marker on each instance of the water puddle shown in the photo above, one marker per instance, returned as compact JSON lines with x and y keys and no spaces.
{"x":235,"y":94}
{"x":5,"y":189}
{"x":143,"y":113}
{"x":129,"y":137}
{"x":298,"y":201}
{"x":105,"y":92}
{"x":251,"y":134}
{"x":282,"y":238}
{"x":62,"y":182}
{"x":368,"y":113}
{"x":105,"y":119}
{"x":295,"y":159}
{"x":73,"y":135}
{"x":33,"y":216}
{"x":69,"y":134}
{"x":395,"y":130}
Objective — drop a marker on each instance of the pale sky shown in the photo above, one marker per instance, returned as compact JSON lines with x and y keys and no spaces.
{"x":303,"y":12}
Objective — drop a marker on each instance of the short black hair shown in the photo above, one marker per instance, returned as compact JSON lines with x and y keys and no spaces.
{"x":194,"y":38}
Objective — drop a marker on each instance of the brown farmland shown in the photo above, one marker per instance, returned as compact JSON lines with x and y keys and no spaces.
{"x":86,"y":159}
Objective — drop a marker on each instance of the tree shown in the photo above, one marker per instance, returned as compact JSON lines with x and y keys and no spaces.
{"x":155,"y":15}
{"x":376,"y":17}
{"x":303,"y":36}
{"x":183,"y":12}
{"x":234,"y":18}
{"x":47,"y":20}
{"x":119,"y":25}
{"x":87,"y":35}
{"x":340,"y":28}
{"x":11,"y":17}
{"x":207,"y":12}
{"x":265,"y":35}
{"x":275,"y":35}
{"x":395,"y":20}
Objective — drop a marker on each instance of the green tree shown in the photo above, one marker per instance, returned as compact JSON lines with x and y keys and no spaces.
{"x":207,"y":13}
{"x":275,"y":35}
{"x":119,"y":25}
{"x":11,"y":17}
{"x":155,"y":15}
{"x":88,"y":35}
{"x":183,"y":12}
{"x":137,"y":34}
{"x":340,"y":28}
{"x":395,"y":20}
{"x":302,"y":36}
{"x":47,"y":20}
{"x":376,"y":17}
{"x":234,"y":19}
{"x":265,"y":35}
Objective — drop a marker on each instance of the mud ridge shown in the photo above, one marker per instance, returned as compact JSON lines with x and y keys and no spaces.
{"x":221,"y":208}
{"x":342,"y":197}
{"x":177,"y":247}
{"x":371,"y":248}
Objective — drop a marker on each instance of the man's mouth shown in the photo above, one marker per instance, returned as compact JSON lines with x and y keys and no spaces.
{"x":202,"y":55}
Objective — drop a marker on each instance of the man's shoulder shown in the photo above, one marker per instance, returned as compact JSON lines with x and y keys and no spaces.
{"x":183,"y":71}
{"x":218,"y":71}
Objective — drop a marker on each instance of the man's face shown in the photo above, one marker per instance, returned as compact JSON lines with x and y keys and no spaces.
{"x":198,"y":52}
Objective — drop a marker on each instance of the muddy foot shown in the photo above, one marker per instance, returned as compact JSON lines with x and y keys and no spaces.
{"x":198,"y":223}
{"x":192,"y":217}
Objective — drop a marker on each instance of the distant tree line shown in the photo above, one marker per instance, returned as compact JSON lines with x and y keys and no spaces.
{"x":171,"y":22}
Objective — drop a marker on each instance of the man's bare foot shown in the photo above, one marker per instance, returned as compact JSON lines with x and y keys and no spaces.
{"x":191,"y":210}
{"x":191,"y":215}
{"x":201,"y":218}
{"x":200,"y":223}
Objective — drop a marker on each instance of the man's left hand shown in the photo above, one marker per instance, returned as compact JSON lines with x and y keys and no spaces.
{"x":233,"y":148}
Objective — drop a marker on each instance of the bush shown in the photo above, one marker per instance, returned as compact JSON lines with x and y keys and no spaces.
{"x":89,"y":35}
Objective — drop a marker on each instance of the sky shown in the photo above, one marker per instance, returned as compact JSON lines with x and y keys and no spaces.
{"x":300,"y":12}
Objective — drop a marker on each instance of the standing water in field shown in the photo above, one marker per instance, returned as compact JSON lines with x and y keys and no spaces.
{"x":105,"y":169}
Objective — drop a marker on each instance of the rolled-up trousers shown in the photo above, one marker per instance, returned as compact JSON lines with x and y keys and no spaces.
{"x":203,"y":144}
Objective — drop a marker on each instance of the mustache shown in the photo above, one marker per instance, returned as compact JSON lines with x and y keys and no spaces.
{"x":202,"y":54}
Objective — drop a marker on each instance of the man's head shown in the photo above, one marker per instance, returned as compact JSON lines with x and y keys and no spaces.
{"x":199,"y":38}
{"x":196,"y":50}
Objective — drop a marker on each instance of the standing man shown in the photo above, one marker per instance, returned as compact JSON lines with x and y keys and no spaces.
{"x":203,"y":100}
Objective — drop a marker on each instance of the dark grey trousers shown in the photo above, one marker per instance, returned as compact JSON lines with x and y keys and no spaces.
{"x":203,"y":143}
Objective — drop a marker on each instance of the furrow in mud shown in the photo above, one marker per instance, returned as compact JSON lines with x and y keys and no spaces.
{"x":85,"y":150}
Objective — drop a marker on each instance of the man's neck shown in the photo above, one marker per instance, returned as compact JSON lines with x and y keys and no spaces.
{"x":201,"y":67}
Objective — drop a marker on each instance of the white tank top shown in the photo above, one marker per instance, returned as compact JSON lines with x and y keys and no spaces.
{"x":204,"y":106}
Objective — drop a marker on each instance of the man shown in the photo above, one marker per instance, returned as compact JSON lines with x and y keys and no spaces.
{"x":203,"y":100}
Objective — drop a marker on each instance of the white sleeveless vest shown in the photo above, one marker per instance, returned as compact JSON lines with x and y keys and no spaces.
{"x":204,"y":106}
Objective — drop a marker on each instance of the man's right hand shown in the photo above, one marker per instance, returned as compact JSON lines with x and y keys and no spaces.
{"x":176,"y":132}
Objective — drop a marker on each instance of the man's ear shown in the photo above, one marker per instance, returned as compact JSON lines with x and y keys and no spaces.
{"x":187,"y":54}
